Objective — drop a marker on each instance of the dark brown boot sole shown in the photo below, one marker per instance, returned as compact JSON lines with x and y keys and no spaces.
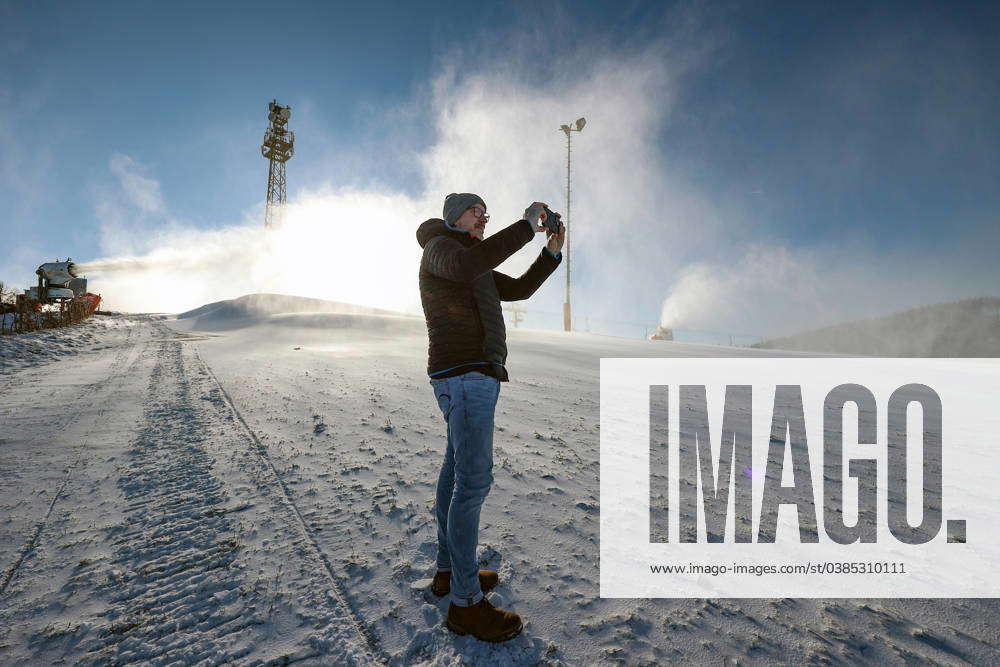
{"x":502,"y":638}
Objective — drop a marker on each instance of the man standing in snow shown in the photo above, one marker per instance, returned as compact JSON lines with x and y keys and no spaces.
{"x":461,"y":293}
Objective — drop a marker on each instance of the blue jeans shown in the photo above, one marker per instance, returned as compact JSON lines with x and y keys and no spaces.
{"x":467,"y":402}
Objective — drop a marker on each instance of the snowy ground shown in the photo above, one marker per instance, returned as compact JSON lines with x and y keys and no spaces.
{"x":239,"y":486}
{"x":40,"y":347}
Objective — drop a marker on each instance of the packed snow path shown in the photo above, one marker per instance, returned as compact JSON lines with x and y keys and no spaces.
{"x":259,"y":489}
{"x":146,"y":550}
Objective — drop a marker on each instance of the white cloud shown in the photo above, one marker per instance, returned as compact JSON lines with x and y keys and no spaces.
{"x":140,"y":191}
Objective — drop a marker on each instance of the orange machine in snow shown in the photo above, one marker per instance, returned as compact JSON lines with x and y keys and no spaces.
{"x":58,"y":283}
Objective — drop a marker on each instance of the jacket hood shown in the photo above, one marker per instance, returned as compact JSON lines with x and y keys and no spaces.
{"x":436,"y":226}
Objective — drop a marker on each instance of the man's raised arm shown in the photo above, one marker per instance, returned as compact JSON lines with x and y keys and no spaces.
{"x":447,"y":258}
{"x":516,"y":289}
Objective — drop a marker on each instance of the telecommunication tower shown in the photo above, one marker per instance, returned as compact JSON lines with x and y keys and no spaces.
{"x":278,"y":147}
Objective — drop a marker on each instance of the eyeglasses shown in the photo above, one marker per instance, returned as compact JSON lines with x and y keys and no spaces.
{"x":480,"y":212}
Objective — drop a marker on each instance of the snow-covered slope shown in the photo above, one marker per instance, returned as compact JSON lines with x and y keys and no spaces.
{"x":260,"y":491}
{"x":968,"y":328}
{"x":41,"y":347}
{"x":236,"y":312}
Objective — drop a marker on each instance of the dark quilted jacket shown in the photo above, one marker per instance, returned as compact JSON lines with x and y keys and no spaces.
{"x":461,"y":293}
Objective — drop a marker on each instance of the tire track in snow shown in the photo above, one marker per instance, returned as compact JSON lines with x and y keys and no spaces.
{"x":365,"y":631}
{"x":175,"y":595}
{"x":39,"y":527}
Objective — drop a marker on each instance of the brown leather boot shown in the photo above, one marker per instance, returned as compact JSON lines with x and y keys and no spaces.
{"x":484,"y":622}
{"x":441,"y":585}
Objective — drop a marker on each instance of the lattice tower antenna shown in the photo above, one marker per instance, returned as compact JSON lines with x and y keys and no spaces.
{"x":278,"y":148}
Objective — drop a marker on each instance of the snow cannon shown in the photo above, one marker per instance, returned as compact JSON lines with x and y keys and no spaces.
{"x":54,"y":282}
{"x":58,"y":284}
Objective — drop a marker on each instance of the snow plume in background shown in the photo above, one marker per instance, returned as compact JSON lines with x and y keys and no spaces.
{"x":770,"y":290}
{"x":773,"y":290}
{"x":337,"y":245}
{"x":632,"y":218}
{"x":216,"y":252}
{"x":496,"y":133}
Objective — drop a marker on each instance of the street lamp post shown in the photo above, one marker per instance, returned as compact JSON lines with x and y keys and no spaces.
{"x":580,"y":122}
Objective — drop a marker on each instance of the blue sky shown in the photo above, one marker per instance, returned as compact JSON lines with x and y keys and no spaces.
{"x":801,"y":133}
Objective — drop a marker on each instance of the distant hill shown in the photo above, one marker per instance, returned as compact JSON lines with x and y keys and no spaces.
{"x":969,"y":328}
{"x":263,"y":305}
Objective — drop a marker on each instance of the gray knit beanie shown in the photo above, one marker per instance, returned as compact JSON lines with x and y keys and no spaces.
{"x":456,"y":204}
